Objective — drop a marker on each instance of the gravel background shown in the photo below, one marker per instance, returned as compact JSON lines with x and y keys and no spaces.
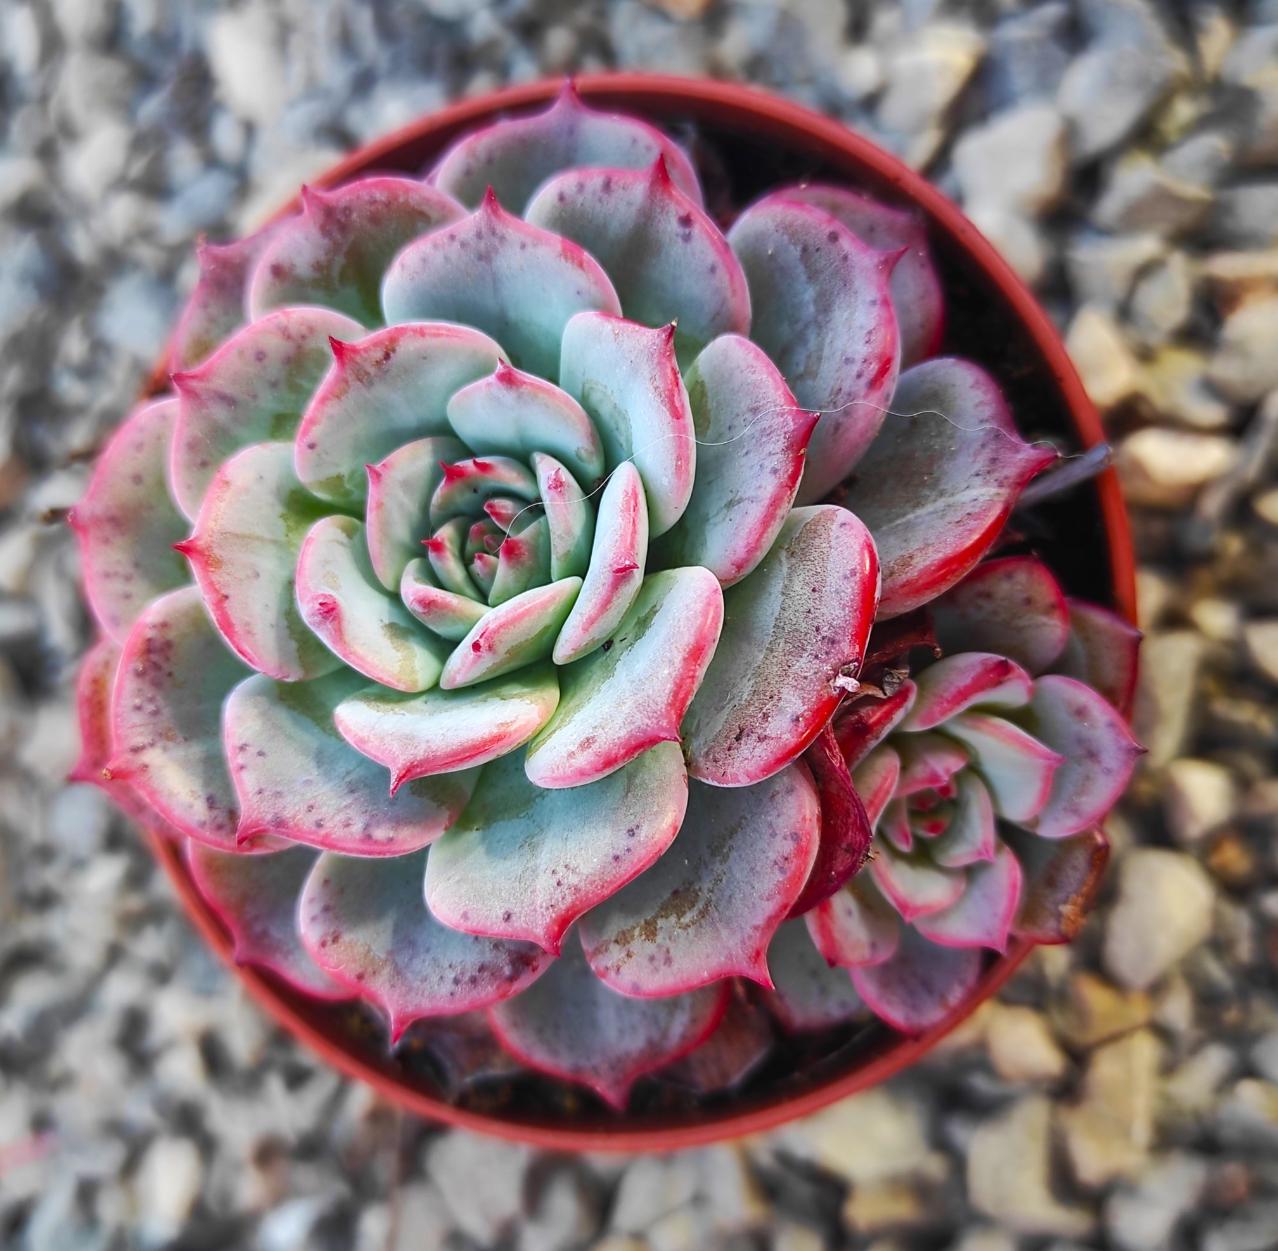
{"x":1122,"y":1094}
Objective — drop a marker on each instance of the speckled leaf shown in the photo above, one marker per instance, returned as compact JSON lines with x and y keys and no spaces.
{"x":296,"y":777}
{"x":1012,"y":605}
{"x":443,"y":612}
{"x":252,"y":389}
{"x":920,"y":985}
{"x":794,"y":631}
{"x":517,"y":632}
{"x":443,"y":731}
{"x":740,"y":1044}
{"x":615,"y":570}
{"x":864,"y":723}
{"x":741,"y":497}
{"x":856,"y":926}
{"x":1102,"y":650}
{"x":652,"y":670}
{"x":823,"y":313}
{"x":570,"y":1025}
{"x":1061,"y":880}
{"x":404,"y":375}
{"x":983,"y":915}
{"x":940,"y":480}
{"x":166,"y":707}
{"x":126,"y":523}
{"x":526,"y":862}
{"x":708,"y":909}
{"x":349,"y":611}
{"x":570,"y":517}
{"x":337,"y":249}
{"x":1098,"y":753}
{"x":809,"y":994}
{"x":503,"y":276}
{"x":911,"y":883}
{"x":397,"y":511}
{"x":627,"y":378}
{"x":917,"y":295}
{"x":1016,"y":767}
{"x":665,"y":256}
{"x":972,"y":835}
{"x":516,"y":155}
{"x":364,"y":920}
{"x":255,"y":897}
{"x":967,"y":680}
{"x":517,"y":414}
{"x":244,"y":553}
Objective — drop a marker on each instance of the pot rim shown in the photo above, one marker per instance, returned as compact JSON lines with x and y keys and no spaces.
{"x":776,"y":117}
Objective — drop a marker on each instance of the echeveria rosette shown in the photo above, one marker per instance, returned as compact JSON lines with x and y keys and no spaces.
{"x":461,"y":578}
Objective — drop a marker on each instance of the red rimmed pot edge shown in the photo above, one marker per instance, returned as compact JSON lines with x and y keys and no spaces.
{"x":659,"y":97}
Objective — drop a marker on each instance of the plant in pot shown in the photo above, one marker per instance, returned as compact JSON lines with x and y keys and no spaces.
{"x":562,"y":628}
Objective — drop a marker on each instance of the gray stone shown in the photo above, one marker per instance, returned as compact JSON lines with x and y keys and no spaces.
{"x":167,"y":1187}
{"x":1261,"y":639}
{"x":1018,"y":159}
{"x":1108,"y":367}
{"x":1245,"y":216}
{"x":1027,"y":54}
{"x":1102,"y":268}
{"x":1144,"y":1216}
{"x":1199,"y":797}
{"x":481,"y":1183}
{"x":1163,"y":299}
{"x":924,"y":75}
{"x":1140,"y":195}
{"x":1173,"y":381}
{"x":246,"y":62}
{"x":1021,"y":1046}
{"x":1200,"y":158}
{"x":1165,"y":468}
{"x":1245,"y":365}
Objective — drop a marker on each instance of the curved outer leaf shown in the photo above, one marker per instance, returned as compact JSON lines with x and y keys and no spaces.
{"x":255,"y":897}
{"x":512,"y":413}
{"x":349,"y":611}
{"x":126,"y":524}
{"x":443,"y":731}
{"x":399,"y":491}
{"x":166,"y":707}
{"x":296,"y":777}
{"x":652,"y":670}
{"x":444,"y":612}
{"x":752,"y":437}
{"x":973,"y":834}
{"x":337,"y":249}
{"x":615,"y":570}
{"x":967,"y":680}
{"x":1098,"y":754}
{"x":667,"y":259}
{"x":856,"y":926}
{"x":809,"y":994}
{"x":405,"y":375}
{"x":1102,"y":651}
{"x":218,"y":306}
{"x":794,"y":631}
{"x":917,"y":295}
{"x":1013,"y":606}
{"x":739,"y":1045}
{"x":823,"y":313}
{"x":465,"y":1052}
{"x":940,"y":480}
{"x":570,"y":1025}
{"x":252,"y":389}
{"x":627,"y":378}
{"x":709,"y":909}
{"x":1016,"y":767}
{"x":862,"y":725}
{"x":912,"y":884}
{"x":364,"y":921}
{"x":920,"y":985}
{"x":983,"y":914}
{"x":846,"y":828}
{"x":244,"y":553}
{"x":517,"y":632}
{"x":526,"y":862}
{"x":570,"y":518}
{"x":511,"y":280}
{"x":516,"y":155}
{"x":1062,"y":877}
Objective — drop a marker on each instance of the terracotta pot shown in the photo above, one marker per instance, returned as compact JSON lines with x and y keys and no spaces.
{"x":762,"y":142}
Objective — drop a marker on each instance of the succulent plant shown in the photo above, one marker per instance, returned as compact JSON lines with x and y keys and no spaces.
{"x":488,"y":610}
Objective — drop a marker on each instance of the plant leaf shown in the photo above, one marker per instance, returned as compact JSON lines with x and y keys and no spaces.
{"x":509,"y":279}
{"x":336,"y":250}
{"x":708,"y":908}
{"x":444,"y":612}
{"x":809,"y":994}
{"x":972,"y":835}
{"x":570,"y":518}
{"x":444,"y":731}
{"x":627,"y":378}
{"x":364,"y":920}
{"x":126,"y":524}
{"x":570,"y":1025}
{"x":983,"y":914}
{"x":823,"y":313}
{"x":739,"y":500}
{"x":296,"y":777}
{"x":967,"y":680}
{"x":652,"y":669}
{"x":526,"y":862}
{"x":251,"y":390}
{"x":928,"y":761}
{"x":1016,"y":767}
{"x":920,"y":985}
{"x":739,"y":1045}
{"x":912,"y":883}
{"x":855,"y":926}
{"x":1062,"y":877}
{"x":875,"y":779}
{"x":940,"y":480}
{"x":1102,"y":650}
{"x":794,"y":630}
{"x":863,"y":724}
{"x":665,"y":256}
